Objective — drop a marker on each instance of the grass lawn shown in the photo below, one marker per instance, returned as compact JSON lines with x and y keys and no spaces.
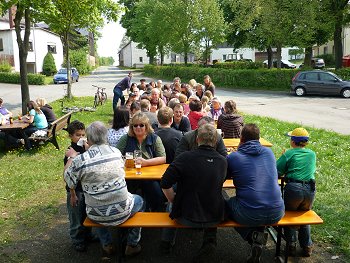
{"x":32,"y":186}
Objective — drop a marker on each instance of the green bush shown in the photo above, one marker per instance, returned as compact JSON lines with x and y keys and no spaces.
{"x":15,"y":78}
{"x":5,"y":67}
{"x":329,"y":59}
{"x":267,"y":79}
{"x":78,"y":60}
{"x":239,"y":65}
{"x":49,"y":66}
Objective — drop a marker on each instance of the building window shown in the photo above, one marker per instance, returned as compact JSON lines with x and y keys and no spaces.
{"x":1,"y":45}
{"x":141,"y":59}
{"x":224,"y":57}
{"x":325,"y":50}
{"x":51,"y":48}
{"x":30,"y":46}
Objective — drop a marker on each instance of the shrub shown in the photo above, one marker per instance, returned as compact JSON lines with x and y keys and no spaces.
{"x":15,"y":78}
{"x":329,"y":59}
{"x":78,"y":60}
{"x":268,"y":79}
{"x":5,"y":67}
{"x":239,"y":65}
{"x":49,"y":66}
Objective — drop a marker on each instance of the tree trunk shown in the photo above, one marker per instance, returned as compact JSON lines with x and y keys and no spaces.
{"x":338,"y":45}
{"x":308,"y":56}
{"x":269,"y":57}
{"x":279,"y":56}
{"x":69,"y":81}
{"x":23,"y":52}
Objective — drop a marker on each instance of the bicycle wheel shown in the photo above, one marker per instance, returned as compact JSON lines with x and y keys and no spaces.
{"x":95,"y":101}
{"x":104,"y":98}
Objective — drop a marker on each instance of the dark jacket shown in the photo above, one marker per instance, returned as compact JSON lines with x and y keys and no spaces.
{"x":188,"y":142}
{"x":123,"y":84}
{"x":184,"y":125}
{"x":199,"y":185}
{"x":48,"y":112}
{"x":170,"y":138}
{"x":80,"y":150}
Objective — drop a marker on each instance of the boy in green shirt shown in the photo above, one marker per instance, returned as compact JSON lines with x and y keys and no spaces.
{"x":298,"y":165}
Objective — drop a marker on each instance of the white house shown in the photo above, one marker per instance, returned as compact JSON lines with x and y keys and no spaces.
{"x":41,"y":41}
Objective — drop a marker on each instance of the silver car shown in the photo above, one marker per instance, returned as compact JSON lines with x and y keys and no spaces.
{"x":319,"y":82}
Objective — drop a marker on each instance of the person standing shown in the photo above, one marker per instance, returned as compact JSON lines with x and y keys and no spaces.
{"x":209,"y":85}
{"x":258,"y":199}
{"x":198,"y":201}
{"x":119,"y":88}
{"x":298,"y":165}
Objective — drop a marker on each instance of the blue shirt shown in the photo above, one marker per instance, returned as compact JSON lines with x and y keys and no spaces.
{"x":254,"y":173}
{"x":39,"y":119}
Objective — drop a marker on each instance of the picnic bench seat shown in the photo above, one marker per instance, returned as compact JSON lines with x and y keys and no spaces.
{"x":56,"y":126}
{"x":162,"y":220}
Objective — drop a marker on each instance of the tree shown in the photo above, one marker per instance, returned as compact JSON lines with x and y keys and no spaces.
{"x":49,"y":66}
{"x":25,"y":12}
{"x":64,"y":20}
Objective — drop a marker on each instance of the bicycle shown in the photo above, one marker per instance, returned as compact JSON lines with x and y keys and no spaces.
{"x":100,"y":96}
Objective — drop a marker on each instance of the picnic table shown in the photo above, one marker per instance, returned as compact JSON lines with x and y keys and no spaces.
{"x":19,"y":126}
{"x":234,"y":142}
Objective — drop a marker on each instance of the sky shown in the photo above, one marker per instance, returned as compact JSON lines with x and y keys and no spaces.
{"x":108,"y":44}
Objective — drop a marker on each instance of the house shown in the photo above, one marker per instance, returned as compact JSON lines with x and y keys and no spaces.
{"x":132,"y":56}
{"x":41,"y":41}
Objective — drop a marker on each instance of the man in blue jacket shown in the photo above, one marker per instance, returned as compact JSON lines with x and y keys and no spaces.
{"x":258,"y":199}
{"x":119,"y":88}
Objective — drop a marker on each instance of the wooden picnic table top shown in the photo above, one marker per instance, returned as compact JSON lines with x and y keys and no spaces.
{"x":16,"y":125}
{"x":234,"y":142}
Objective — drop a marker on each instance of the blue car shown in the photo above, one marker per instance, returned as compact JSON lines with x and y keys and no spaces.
{"x":61,"y":76}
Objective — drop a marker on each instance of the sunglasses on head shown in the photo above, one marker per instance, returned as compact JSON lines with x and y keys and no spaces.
{"x":141,"y":125}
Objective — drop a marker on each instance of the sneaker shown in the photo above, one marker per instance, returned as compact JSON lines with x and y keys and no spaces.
{"x":255,"y":254}
{"x":132,"y":250}
{"x":80,"y":247}
{"x":307,"y":251}
{"x":108,"y":249}
{"x":165,"y":247}
{"x":20,"y":141}
{"x":292,"y":249}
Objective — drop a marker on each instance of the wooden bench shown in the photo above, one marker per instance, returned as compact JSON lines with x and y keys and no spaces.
{"x":56,"y":126}
{"x":162,"y":220}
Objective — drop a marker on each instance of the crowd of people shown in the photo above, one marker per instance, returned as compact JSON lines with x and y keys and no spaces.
{"x":182,"y":125}
{"x":178,"y":124}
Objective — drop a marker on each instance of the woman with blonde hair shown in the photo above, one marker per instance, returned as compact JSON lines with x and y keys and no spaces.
{"x":142,"y":137}
{"x":46,"y":109}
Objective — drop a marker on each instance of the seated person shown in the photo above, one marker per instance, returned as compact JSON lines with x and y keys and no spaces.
{"x":258,"y":199}
{"x":195,"y":113}
{"x":120,"y":125}
{"x":216,"y":109}
{"x":230,"y":122}
{"x":180,"y":122}
{"x":111,"y":204}
{"x":141,"y":137}
{"x":36,"y":118}
{"x":298,"y":165}
{"x":46,"y":109}
{"x":197,"y":203}
{"x":5,"y":112}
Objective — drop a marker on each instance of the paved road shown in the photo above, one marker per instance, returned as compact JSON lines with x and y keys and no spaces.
{"x":321,"y":112}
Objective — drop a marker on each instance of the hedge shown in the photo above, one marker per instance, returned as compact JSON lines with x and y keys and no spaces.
{"x":256,"y":79}
{"x":15,"y":78}
{"x":267,"y":79}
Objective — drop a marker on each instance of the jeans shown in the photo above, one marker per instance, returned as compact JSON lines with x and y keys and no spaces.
{"x":77,"y":214}
{"x":254,"y":218}
{"x":118,"y":94}
{"x":134,"y":234}
{"x":209,"y":232}
{"x":299,"y":196}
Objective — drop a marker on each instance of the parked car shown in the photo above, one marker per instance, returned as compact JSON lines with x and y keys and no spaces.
{"x":319,"y":82}
{"x":62,"y":76}
{"x":316,"y":63}
{"x":284,"y":64}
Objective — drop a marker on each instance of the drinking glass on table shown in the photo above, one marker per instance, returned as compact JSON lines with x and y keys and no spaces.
{"x":129,"y":160}
{"x":138,"y":161}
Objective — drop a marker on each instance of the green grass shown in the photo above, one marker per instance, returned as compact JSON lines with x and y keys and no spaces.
{"x":32,"y":186}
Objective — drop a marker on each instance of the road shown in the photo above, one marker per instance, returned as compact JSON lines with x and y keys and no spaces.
{"x":331,"y":113}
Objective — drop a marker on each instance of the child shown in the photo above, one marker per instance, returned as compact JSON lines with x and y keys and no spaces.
{"x":3,"y":111}
{"x":298,"y":165}
{"x":75,"y":198}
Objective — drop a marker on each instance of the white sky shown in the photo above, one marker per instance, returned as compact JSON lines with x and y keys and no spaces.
{"x":108,"y":44}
